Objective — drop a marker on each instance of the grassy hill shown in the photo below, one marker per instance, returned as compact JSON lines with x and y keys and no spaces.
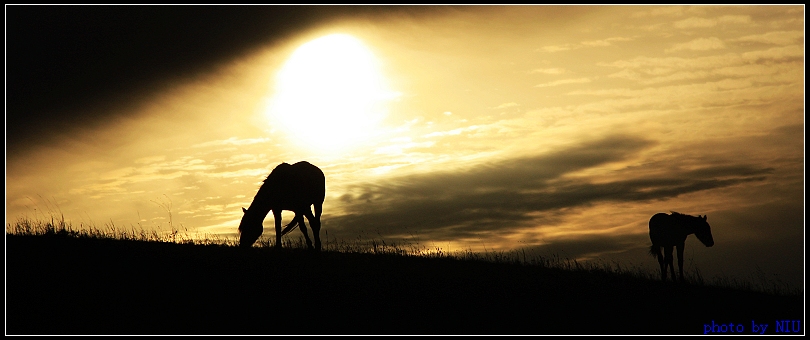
{"x":62,"y":284}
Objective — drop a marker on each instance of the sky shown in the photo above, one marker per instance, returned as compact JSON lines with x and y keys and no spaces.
{"x":551,"y":130}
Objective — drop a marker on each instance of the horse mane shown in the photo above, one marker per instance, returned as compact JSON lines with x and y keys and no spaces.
{"x":269,"y":184}
{"x":677,"y":214}
{"x":277,"y":171}
{"x":686,"y":218}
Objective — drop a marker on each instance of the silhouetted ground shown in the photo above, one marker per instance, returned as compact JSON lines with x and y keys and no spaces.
{"x":60,"y":285}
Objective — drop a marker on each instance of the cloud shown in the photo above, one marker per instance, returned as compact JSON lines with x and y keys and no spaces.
{"x":453,"y":132}
{"x":786,"y":54}
{"x":564,"y":81}
{"x":695,"y":22}
{"x":589,"y":43}
{"x":232,"y":141}
{"x":587,"y":247}
{"x":400,"y":148}
{"x":517,"y":193}
{"x":775,"y":38}
{"x":673,"y":11}
{"x":700,"y":44}
{"x":678,"y":76}
{"x":652,"y":65}
{"x":548,"y":71}
{"x":735,"y":19}
{"x":558,"y":48}
{"x":774,"y":65}
{"x":604,"y":42}
{"x":648,"y":64}
{"x":507,"y":105}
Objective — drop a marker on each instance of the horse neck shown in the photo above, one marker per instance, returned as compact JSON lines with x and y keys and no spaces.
{"x":262,"y":203}
{"x":690,"y":224}
{"x":259,"y":211}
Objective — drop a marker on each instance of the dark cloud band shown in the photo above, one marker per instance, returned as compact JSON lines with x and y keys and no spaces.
{"x":509,"y":194}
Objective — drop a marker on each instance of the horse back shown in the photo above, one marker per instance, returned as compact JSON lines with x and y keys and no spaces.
{"x":665,"y":230}
{"x":296,"y":186}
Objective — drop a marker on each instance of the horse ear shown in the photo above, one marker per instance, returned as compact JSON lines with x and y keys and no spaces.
{"x":244,"y":211}
{"x":705,"y":216}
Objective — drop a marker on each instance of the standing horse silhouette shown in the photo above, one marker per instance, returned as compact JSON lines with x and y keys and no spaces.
{"x":288,"y":187}
{"x":670,"y":231}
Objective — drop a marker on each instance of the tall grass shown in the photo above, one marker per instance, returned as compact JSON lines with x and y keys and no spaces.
{"x":56,"y":226}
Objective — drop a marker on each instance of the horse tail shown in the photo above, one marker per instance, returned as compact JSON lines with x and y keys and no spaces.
{"x":290,"y":227}
{"x":655,"y":250}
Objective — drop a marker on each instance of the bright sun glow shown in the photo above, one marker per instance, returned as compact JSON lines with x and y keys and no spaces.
{"x":330,"y":94}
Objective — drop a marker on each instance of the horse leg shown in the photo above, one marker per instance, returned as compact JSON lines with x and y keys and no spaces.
{"x":315,"y":224}
{"x":668,"y":262}
{"x":660,"y":258}
{"x":303,"y":227}
{"x":680,"y":260}
{"x":277,"y":220}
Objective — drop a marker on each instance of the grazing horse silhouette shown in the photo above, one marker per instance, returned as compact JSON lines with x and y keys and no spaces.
{"x":670,"y":231}
{"x":288,"y":187}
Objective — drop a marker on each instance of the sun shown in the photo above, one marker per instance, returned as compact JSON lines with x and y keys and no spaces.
{"x":330,"y":94}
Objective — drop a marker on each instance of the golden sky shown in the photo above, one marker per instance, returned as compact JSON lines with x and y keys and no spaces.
{"x":557,"y":129}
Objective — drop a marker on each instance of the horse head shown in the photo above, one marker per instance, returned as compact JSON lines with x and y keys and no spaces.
{"x":703,"y":231}
{"x":250,"y":228}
